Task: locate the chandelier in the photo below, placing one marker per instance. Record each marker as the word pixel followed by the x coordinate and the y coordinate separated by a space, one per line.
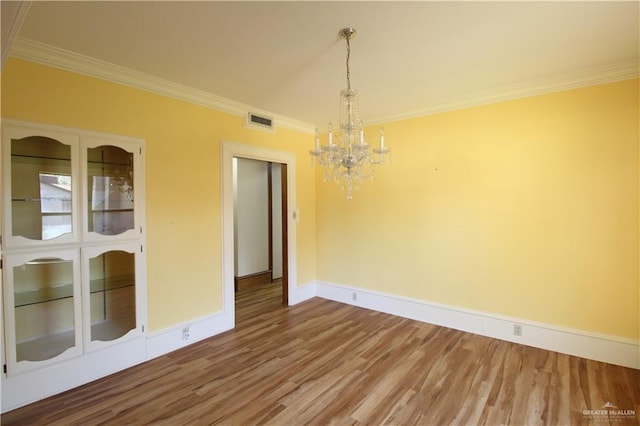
pixel 347 158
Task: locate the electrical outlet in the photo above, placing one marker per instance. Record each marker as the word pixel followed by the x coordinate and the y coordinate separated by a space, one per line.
pixel 517 330
pixel 354 296
pixel 185 333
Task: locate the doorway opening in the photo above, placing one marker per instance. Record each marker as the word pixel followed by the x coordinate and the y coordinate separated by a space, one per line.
pixel 260 229
pixel 229 150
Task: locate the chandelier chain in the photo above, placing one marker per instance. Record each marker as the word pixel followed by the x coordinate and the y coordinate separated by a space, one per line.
pixel 348 37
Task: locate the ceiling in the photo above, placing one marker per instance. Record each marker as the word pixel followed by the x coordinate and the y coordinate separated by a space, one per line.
pixel 408 58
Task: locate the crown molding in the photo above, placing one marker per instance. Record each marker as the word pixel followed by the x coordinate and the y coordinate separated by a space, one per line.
pixel 59 58
pixel 45 54
pixel 574 80
pixel 17 18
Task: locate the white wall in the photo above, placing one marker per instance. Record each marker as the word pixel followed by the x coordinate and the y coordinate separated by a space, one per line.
pixel 251 215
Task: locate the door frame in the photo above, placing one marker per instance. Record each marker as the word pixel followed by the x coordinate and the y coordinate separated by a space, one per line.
pixel 230 149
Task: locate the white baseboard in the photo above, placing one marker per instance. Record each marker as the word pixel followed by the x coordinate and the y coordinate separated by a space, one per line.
pixel 610 349
pixel 302 293
pixel 27 387
pixel 170 339
pixel 20 390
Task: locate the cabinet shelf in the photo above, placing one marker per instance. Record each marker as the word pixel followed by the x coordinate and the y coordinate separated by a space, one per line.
pixel 37 199
pixel 50 294
pixel 107 163
pixel 45 347
pixel 42 295
pixel 110 284
pixel 110 210
pixel 40 157
pixel 109 330
pixel 91 162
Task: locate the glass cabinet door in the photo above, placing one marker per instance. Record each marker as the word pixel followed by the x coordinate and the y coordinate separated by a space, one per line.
pixel 73 269
pixel 110 194
pixel 43 313
pixel 40 187
pixel 112 300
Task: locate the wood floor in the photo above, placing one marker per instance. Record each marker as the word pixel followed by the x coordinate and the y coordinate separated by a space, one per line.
pixel 323 362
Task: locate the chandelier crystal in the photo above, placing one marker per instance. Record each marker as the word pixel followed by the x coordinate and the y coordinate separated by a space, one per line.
pixel 347 158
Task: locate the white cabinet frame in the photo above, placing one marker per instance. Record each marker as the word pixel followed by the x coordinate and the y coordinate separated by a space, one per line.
pixel 78 246
pixel 12 261
pixel 20 131
pixel 138 185
pixel 94 251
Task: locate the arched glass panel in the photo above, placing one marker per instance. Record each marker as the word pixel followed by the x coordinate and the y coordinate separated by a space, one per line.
pixel 110 190
pixel 44 308
pixel 113 295
pixel 41 201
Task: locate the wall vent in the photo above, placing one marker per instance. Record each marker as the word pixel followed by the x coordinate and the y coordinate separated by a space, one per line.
pixel 261 122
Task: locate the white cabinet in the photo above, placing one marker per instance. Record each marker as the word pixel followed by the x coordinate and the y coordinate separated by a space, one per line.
pixel 73 244
pixel 42 308
pixel 115 287
pixel 40 187
pixel 111 205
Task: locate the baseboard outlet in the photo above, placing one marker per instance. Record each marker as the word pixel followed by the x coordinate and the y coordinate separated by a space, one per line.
pixel 610 349
pixel 171 339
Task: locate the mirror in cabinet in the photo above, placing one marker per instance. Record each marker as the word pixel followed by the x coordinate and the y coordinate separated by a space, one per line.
pixel 112 295
pixel 41 192
pixel 110 190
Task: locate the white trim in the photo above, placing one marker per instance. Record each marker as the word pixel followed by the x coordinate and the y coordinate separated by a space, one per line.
pixel 13 129
pixel 611 349
pixel 229 150
pixel 64 59
pixel 133 146
pixel 31 386
pixel 248 124
pixel 21 11
pixel 302 293
pixel 170 339
pixel 45 54
pixel 19 390
pixel 574 80
pixel 14 259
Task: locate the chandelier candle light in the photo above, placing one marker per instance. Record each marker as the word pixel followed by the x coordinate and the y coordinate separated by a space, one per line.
pixel 351 159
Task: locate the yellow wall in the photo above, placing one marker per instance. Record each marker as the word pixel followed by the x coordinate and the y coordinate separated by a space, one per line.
pixel 183 210
pixel 526 208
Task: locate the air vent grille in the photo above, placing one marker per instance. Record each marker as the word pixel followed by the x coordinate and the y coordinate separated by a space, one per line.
pixel 259 121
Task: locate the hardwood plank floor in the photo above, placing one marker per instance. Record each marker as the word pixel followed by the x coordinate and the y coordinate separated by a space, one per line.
pixel 322 362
